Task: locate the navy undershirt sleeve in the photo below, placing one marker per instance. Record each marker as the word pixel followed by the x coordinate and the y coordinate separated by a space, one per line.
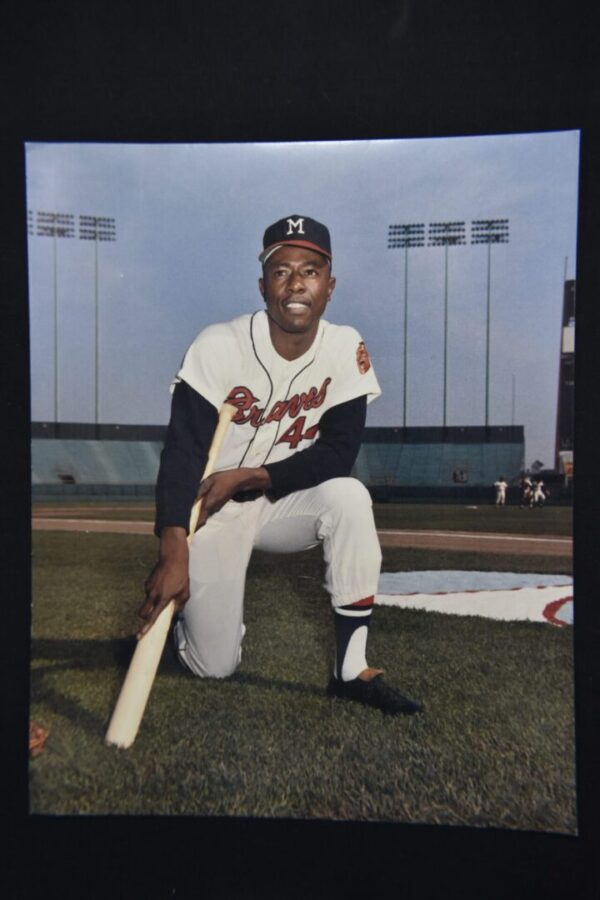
pixel 192 424
pixel 191 427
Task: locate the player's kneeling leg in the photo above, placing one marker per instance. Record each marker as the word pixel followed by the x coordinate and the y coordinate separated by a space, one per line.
pixel 209 631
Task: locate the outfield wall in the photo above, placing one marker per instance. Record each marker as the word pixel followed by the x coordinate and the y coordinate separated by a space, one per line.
pixel 448 464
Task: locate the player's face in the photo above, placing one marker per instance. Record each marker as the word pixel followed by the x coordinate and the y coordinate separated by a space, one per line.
pixel 296 286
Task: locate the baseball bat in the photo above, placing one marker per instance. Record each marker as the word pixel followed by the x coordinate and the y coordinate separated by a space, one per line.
pixel 130 706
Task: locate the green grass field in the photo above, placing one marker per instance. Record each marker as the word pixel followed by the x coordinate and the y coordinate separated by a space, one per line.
pixel 495 746
pixel 551 520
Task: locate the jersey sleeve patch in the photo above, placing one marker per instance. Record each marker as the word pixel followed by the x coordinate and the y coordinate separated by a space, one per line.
pixel 362 358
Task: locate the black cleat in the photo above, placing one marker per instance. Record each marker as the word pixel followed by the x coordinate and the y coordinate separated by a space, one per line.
pixel 376 693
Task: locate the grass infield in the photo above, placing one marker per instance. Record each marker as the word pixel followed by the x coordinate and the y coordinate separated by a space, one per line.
pixel 495 746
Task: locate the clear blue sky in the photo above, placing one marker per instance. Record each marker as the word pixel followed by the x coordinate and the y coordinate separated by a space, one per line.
pixel 189 224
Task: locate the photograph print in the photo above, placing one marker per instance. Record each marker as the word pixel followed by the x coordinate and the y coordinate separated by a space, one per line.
pixel 359 606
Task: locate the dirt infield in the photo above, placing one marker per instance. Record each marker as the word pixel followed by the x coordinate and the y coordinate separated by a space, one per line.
pixel 429 540
pixel 111 526
pixel 478 542
pixel 81 510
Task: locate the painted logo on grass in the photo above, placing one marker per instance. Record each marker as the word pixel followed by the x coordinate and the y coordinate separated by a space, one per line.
pixel 560 612
pixel 508 596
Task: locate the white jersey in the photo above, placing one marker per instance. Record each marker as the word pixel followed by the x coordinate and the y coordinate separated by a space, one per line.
pixel 279 402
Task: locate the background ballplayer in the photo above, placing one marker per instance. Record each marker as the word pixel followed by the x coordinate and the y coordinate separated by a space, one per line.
pixel 281 483
pixel 500 486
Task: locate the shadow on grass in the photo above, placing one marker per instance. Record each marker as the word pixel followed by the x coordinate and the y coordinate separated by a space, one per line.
pixel 83 653
pixel 68 655
pixel 64 706
pixel 294 687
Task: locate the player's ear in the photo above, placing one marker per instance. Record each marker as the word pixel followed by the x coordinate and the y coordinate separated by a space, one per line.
pixel 331 288
pixel 261 286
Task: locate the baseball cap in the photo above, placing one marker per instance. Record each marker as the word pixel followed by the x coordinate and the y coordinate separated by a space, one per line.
pixel 297 231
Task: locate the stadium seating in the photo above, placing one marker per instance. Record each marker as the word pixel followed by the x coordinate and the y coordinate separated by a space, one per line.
pixel 89 466
pixel 438 465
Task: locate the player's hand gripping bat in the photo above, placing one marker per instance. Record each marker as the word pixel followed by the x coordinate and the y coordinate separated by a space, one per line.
pixel 128 712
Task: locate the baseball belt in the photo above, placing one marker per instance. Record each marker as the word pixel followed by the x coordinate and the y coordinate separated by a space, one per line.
pixel 245 496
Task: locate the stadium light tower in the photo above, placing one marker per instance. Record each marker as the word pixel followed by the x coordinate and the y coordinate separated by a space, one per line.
pixel 54 225
pixel 446 234
pixel 488 231
pixel 97 228
pixel 404 237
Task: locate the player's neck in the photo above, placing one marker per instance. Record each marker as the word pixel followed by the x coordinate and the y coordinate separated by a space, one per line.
pixel 291 345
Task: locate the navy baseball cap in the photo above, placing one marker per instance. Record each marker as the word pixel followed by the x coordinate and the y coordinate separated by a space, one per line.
pixel 297 231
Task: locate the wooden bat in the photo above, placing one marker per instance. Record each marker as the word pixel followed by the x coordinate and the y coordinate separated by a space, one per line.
pixel 128 712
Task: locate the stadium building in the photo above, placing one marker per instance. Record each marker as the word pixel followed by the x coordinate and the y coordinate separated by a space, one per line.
pixel 566 386
pixel 446 464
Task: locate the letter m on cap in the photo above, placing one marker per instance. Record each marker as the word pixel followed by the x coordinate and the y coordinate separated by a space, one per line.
pixel 295 225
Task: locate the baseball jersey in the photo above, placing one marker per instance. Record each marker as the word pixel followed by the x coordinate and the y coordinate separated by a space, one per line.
pixel 279 402
pixel 313 431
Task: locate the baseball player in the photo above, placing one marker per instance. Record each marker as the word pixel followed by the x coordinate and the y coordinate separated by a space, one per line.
pixel 539 493
pixel 500 486
pixel 300 386
pixel 526 491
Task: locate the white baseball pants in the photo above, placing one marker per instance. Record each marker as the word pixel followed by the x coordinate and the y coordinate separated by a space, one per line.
pixel 337 514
